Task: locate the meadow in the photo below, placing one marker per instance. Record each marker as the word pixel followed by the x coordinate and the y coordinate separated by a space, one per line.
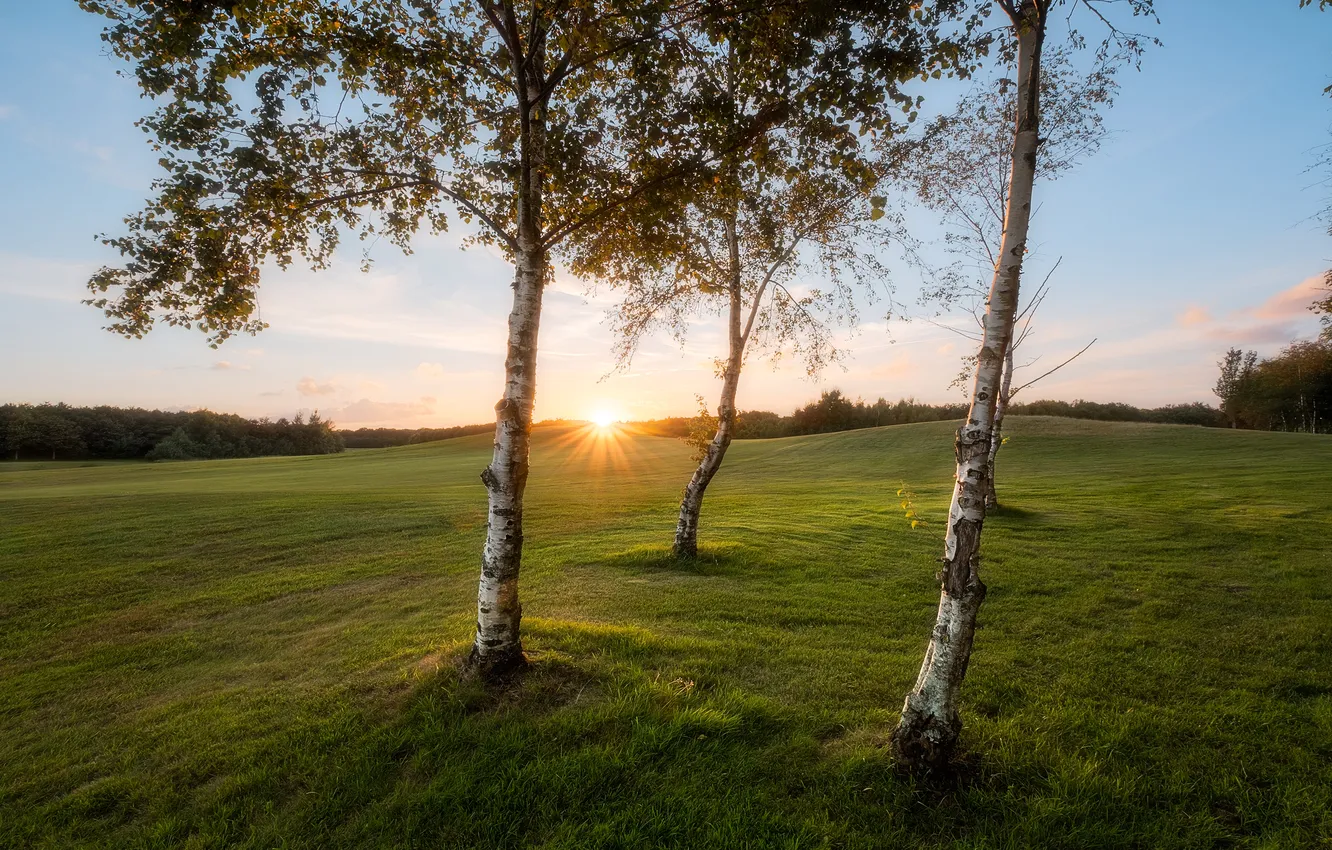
pixel 262 653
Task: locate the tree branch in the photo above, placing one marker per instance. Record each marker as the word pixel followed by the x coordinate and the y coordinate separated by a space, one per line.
pixel 1052 371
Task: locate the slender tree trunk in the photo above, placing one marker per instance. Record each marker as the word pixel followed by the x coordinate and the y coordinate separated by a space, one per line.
pixel 691 505
pixel 925 739
pixel 498 646
pixel 997 439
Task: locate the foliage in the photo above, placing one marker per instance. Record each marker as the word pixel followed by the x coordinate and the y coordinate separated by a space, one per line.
pixel 379 438
pixel 1289 392
pixel 959 164
pixel 908 506
pixel 801 199
pixel 260 654
pixel 702 427
pixel 48 430
pixel 283 127
pixel 1323 306
pixel 833 411
pixel 1236 368
pixel 960 167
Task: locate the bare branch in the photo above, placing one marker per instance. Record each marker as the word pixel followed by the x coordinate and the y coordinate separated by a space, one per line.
pixel 1052 371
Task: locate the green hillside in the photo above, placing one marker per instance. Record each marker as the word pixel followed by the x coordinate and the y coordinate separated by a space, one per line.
pixel 258 653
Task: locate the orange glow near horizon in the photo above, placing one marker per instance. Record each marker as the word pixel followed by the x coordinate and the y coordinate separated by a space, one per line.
pixel 599 446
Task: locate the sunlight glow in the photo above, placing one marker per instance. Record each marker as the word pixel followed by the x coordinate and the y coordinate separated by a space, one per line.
pixel 603 419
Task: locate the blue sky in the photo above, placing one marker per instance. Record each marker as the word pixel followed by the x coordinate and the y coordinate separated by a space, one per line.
pixel 1190 232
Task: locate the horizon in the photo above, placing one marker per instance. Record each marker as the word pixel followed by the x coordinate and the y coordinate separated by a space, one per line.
pixel 1191 232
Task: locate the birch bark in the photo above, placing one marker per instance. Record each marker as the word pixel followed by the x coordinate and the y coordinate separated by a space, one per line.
pixel 498 647
pixel 691 505
pixel 927 734
pixel 997 439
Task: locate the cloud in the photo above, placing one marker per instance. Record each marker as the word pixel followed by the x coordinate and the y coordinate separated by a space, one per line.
pixel 1293 302
pixel 1195 315
pixel 897 367
pixel 366 410
pixel 39 277
pixel 272 393
pixel 1263 333
pixel 430 370
pixel 1276 320
pixel 222 365
pixel 101 153
pixel 309 386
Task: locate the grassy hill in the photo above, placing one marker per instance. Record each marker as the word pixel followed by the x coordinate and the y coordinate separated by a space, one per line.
pixel 259 653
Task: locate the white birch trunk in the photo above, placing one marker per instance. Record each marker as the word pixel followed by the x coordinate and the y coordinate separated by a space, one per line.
pixel 691 505
pixel 997 439
pixel 926 737
pixel 498 647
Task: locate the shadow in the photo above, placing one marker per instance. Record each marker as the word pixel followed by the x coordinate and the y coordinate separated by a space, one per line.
pixel 613 737
pixel 718 559
pixel 1012 512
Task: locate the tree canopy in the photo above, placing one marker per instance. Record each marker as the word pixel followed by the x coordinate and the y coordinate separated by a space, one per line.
pixel 283 128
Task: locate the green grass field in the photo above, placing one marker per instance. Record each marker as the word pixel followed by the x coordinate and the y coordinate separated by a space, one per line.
pixel 261 653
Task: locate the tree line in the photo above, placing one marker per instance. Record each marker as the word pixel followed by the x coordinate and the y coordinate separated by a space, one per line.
pixel 831 411
pixel 1291 391
pixel 62 432
pixel 380 438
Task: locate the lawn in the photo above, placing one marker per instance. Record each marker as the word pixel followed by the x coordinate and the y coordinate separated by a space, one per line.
pixel 262 653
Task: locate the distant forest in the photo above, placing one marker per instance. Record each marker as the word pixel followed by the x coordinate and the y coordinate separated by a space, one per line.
pixel 61 432
pixel 832 411
pixel 1291 391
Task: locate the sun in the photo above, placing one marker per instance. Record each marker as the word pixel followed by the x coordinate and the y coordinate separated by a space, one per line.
pixel 603 419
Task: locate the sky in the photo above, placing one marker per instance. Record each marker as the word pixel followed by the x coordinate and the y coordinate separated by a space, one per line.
pixel 1192 231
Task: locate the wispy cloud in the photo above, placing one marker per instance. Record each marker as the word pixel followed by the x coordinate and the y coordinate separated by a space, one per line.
pixel 1276 320
pixel 308 386
pixel 1193 316
pixel 1291 303
pixel 366 410
pixel 39 277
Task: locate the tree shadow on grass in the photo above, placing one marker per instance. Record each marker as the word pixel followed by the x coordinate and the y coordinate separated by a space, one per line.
pixel 1013 514
pixel 725 559
pixel 616 737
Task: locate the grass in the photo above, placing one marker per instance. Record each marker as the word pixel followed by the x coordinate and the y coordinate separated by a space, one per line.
pixel 260 653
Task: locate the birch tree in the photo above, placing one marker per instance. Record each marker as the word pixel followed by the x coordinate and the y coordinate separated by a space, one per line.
pixel 927 734
pixel 959 166
pixel 801 199
pixel 745 252
pixel 800 202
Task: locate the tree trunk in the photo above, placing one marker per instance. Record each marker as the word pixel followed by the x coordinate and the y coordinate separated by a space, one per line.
pixel 925 739
pixel 498 647
pixel 997 440
pixel 691 505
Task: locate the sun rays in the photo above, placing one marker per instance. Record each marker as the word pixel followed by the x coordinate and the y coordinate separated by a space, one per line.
pixel 600 444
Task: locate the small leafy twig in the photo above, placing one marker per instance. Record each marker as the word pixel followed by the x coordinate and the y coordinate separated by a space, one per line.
pixel 909 507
